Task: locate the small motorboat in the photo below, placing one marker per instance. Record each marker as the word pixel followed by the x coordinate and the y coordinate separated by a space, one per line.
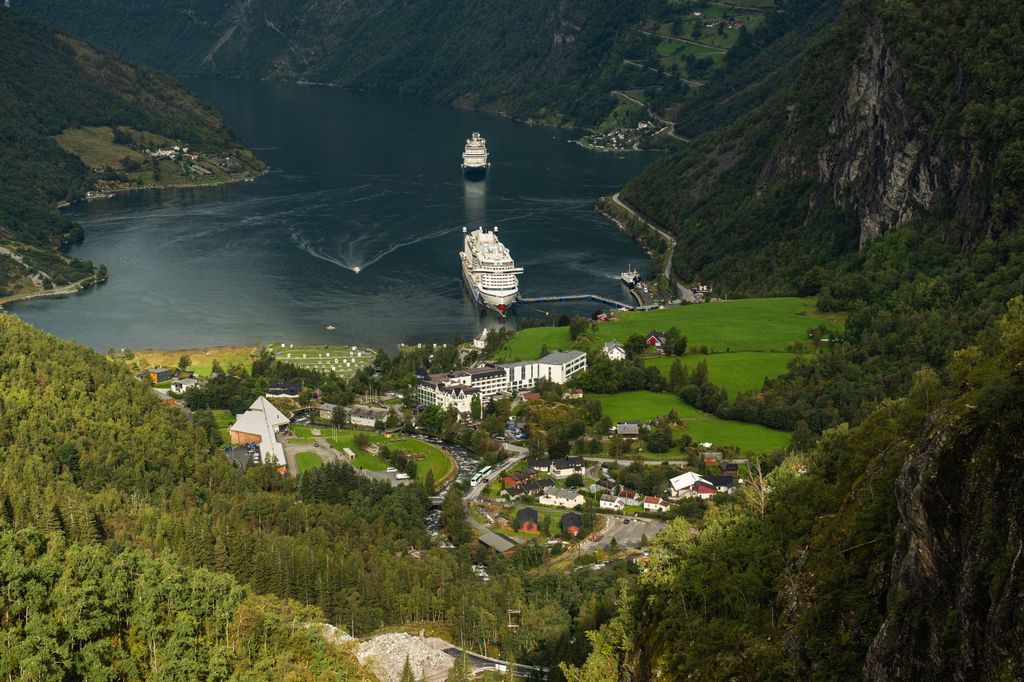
pixel 330 327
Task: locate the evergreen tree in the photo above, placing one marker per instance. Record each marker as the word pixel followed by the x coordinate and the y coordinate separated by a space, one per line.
pixel 407 674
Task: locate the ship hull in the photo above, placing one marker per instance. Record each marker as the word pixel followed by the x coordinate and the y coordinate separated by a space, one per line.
pixel 502 305
pixel 474 172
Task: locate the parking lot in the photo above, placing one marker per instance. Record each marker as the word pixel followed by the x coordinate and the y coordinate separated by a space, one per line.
pixel 628 532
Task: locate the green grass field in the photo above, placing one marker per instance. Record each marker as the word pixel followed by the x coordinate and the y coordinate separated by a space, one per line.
pixel 224 421
pixel 645 405
pixel 734 372
pixel 434 459
pixel 760 324
pixel 641 406
pixel 307 461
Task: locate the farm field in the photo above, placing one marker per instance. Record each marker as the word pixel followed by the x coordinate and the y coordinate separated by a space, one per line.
pixel 646 405
pixel 735 372
pixel 335 359
pixel 751 324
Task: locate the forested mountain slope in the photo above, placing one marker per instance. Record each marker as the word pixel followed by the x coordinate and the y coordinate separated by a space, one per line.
pixel 50 83
pixel 901 113
pixel 557 62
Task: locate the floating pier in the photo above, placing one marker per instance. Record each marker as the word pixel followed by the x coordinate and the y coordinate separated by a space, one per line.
pixel 568 298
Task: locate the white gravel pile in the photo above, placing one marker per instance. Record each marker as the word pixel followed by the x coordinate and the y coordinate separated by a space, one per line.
pixel 385 656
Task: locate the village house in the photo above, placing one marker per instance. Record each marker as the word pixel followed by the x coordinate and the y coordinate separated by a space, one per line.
pixel 159 374
pixel 653 503
pixel 366 416
pixel 517 477
pixel 627 429
pixel 528 489
pixel 571 523
pixel 527 520
pixel 613 350
pixel 723 484
pixel 182 385
pixel 603 486
pixel 261 424
pixel 326 412
pixel 570 499
pixel 611 503
pixel 573 394
pixel 630 498
pixel 656 339
pixel 690 484
pixel 729 468
pixel 565 467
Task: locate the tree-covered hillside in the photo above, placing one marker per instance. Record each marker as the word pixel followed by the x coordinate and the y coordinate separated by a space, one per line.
pixel 567 63
pixel 88 452
pixel 50 83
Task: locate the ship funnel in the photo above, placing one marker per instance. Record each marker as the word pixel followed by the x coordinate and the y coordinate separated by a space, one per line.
pixel 495 229
pixel 463 229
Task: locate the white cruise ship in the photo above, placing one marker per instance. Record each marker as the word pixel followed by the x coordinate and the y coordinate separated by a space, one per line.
pixel 489 270
pixel 474 158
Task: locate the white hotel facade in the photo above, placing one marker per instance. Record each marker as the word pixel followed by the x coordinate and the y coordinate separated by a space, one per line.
pixel 457 389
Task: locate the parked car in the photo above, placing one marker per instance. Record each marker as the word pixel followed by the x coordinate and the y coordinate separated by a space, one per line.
pixel 392 470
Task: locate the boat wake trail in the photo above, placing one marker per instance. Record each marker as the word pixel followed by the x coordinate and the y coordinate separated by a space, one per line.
pixel 358 264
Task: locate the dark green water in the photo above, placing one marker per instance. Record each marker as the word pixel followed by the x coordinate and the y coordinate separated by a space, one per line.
pixel 355 180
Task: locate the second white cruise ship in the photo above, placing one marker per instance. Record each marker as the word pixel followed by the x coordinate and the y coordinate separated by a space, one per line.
pixel 489 270
pixel 474 157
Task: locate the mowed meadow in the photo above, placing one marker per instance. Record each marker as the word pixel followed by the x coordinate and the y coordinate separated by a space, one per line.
pixel 743 342
pixel 753 324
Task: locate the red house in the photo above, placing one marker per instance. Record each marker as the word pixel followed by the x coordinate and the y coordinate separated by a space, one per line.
pixel 572 523
pixel 527 521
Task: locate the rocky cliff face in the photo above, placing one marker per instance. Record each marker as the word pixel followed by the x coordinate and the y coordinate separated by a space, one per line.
pixel 883 159
pixel 956 601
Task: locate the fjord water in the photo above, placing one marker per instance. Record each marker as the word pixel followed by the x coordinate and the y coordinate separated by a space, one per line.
pixel 355 181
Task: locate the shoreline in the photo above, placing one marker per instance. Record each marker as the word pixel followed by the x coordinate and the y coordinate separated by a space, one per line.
pixel 145 188
pixel 91 281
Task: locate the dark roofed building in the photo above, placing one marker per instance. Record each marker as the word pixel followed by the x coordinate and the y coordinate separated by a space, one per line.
pixel 159 375
pixel 284 389
pixel 723 484
pixel 729 467
pixel 564 467
pixel 527 520
pixel 572 523
pixel 498 542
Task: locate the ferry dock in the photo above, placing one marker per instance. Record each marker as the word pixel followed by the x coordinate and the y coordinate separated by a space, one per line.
pixel 569 298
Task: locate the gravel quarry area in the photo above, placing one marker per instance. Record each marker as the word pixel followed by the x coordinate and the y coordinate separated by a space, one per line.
pixel 385 654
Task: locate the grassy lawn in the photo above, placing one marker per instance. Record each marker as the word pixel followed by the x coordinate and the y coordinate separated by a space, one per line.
pixel 701 427
pixel 760 324
pixel 754 437
pixel 202 358
pixel 307 461
pixel 641 406
pixel 434 459
pixel 224 421
pixel 734 372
